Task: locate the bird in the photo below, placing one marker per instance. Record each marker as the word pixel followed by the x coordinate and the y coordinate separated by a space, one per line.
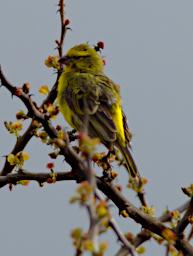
pixel 86 96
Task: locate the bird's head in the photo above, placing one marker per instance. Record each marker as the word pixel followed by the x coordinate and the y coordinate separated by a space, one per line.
pixel 82 58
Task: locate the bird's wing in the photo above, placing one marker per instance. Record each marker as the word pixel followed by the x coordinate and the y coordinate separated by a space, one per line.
pixel 93 98
pixel 127 131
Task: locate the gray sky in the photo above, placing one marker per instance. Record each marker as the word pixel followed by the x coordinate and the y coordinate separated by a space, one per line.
pixel 149 52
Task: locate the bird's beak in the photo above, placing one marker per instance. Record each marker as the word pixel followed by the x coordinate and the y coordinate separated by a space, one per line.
pixel 64 60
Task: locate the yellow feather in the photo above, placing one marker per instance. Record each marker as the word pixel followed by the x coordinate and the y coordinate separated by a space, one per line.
pixel 64 108
pixel 118 120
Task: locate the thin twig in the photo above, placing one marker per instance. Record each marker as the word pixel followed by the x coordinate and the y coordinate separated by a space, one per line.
pixel 167 216
pixel 142 198
pixel 93 231
pixel 115 227
pixel 61 5
pixel 130 248
pixel 167 250
pixel 190 235
pixel 185 219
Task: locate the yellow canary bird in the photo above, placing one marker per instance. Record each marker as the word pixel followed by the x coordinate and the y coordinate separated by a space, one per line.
pixel 85 91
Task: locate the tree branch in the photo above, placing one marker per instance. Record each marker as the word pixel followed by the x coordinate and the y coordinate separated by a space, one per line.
pixel 13 178
pixel 129 247
pixel 185 219
pixel 145 235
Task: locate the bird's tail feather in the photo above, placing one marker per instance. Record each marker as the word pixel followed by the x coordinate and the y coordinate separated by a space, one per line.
pixel 129 161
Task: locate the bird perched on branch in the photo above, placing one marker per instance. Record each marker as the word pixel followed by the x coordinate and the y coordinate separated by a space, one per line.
pixel 87 97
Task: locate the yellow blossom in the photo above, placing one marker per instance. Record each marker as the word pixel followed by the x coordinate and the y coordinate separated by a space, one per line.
pixel 43 90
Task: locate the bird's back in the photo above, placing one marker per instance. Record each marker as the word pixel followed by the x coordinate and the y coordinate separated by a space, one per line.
pixel 98 97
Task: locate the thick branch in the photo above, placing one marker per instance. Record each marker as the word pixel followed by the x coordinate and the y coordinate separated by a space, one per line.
pixel 145 235
pixel 13 178
pixel 123 204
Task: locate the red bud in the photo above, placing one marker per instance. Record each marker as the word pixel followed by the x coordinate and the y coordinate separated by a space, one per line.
pixel 50 165
pixel 66 22
pixel 49 180
pixel 18 91
pixel 101 45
